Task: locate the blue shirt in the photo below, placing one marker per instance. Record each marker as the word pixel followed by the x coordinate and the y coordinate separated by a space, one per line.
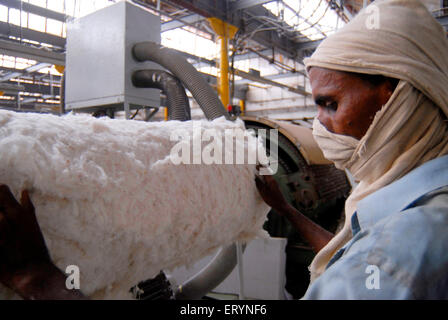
pixel 399 248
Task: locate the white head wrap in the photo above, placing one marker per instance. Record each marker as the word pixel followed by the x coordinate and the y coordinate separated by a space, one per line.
pixel 398 39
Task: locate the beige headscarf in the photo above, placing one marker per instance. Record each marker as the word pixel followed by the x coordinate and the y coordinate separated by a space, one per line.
pixel 399 39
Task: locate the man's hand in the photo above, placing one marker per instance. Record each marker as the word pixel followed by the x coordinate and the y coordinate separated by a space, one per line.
pixel 271 193
pixel 25 264
pixel 315 235
pixel 22 246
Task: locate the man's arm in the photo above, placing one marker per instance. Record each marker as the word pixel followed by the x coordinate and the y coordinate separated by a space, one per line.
pixel 25 264
pixel 316 236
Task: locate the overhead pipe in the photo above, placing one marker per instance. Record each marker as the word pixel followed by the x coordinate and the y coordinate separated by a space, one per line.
pixel 191 79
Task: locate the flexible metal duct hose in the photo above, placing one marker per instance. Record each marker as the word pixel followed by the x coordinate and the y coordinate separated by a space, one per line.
pixel 210 276
pixel 177 100
pixel 191 79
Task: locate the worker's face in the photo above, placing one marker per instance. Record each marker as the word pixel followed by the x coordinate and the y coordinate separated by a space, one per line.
pixel 347 103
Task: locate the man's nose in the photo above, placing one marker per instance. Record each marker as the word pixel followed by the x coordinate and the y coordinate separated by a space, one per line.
pixel 323 117
pixel 320 115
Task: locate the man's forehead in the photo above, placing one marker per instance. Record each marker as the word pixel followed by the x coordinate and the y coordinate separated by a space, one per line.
pixel 323 83
pixel 327 82
pixel 326 75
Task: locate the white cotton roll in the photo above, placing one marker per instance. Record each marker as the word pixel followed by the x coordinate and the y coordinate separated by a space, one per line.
pixel 110 200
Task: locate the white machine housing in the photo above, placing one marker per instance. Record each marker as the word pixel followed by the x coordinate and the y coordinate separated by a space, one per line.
pixel 99 61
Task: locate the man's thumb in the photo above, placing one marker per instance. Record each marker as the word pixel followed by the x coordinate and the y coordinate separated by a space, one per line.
pixel 25 201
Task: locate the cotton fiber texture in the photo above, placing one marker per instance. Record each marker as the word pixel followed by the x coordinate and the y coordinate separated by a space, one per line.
pixel 109 199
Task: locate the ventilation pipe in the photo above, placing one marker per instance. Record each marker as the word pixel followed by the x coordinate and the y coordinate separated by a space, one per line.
pixel 210 276
pixel 191 79
pixel 177 101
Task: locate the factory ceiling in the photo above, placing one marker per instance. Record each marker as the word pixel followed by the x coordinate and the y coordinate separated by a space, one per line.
pixel 264 31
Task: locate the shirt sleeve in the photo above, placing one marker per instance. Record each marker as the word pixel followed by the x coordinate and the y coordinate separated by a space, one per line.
pixel 401 257
pixel 355 279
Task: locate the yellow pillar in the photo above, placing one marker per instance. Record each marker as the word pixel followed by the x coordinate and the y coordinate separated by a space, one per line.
pixel 225 32
pixel 242 106
pixel 59 68
pixel 165 114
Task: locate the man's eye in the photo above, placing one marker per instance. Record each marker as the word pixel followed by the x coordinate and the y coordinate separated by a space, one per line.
pixel 332 106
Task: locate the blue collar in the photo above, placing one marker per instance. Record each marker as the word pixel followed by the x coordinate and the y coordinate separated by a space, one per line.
pixel 400 194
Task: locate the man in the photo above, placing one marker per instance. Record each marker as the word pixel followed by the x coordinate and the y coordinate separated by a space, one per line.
pixel 380 90
pixel 380 87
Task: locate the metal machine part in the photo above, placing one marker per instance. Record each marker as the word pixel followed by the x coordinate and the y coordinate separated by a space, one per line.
pixel 176 98
pixel 210 276
pixel 195 288
pixel 62 94
pixel 99 61
pixel 158 288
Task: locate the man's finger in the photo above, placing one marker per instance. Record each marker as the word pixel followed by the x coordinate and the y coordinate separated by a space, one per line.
pixel 259 183
pixel 269 178
pixel 3 228
pixel 26 203
pixel 7 199
pixel 261 178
